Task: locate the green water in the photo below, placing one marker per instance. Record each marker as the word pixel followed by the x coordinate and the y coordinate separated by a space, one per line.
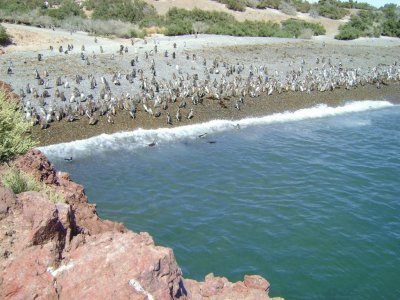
pixel 311 205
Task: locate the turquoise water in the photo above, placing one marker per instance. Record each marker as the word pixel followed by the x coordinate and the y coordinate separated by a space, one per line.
pixel 312 205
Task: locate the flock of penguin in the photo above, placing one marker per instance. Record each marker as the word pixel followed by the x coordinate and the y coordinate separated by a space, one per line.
pixel 154 83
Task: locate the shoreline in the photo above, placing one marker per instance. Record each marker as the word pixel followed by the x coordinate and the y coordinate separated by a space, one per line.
pixel 61 132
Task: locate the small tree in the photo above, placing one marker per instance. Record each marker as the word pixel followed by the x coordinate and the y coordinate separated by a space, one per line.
pixel 13 129
pixel 4 37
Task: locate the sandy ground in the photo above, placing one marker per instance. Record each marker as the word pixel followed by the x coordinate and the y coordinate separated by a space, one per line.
pixel 278 56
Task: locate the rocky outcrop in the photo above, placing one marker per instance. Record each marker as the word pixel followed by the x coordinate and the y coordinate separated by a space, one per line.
pixel 65 251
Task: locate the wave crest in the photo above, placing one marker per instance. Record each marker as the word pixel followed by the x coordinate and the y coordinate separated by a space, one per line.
pixel 140 138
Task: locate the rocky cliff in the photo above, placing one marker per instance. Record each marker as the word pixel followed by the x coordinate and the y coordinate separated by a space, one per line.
pixel 65 251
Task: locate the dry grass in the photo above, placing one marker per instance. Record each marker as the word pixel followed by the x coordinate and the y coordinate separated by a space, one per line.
pixel 20 182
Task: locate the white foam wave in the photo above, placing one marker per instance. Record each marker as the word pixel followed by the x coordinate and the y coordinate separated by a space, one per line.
pixel 141 138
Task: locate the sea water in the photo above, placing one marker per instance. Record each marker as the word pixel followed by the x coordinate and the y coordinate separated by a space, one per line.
pixel 309 199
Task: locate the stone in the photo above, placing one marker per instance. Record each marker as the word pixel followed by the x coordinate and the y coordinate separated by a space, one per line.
pixel 256 282
pixel 65 251
pixel 7 202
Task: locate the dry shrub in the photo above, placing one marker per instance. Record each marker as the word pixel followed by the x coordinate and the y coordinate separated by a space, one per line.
pixel 154 30
pixel 306 34
pixel 200 27
pixel 104 28
pixel 288 9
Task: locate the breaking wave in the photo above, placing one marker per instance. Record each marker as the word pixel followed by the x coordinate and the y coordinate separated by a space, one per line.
pixel 140 138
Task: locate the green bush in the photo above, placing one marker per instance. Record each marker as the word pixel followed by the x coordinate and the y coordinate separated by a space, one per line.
pixel 269 4
pixel 238 5
pixel 391 24
pixel 4 37
pixel 365 23
pixel 295 27
pixel 301 6
pixel 21 6
pixel 20 182
pixel 125 10
pixel 355 5
pixel 348 33
pixel 391 27
pixel 67 9
pixel 331 9
pixel 180 21
pixel 179 27
pixel 13 130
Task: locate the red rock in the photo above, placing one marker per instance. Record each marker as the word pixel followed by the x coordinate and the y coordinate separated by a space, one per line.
pixel 36 164
pixel 7 202
pixel 106 264
pixel 256 282
pixel 65 251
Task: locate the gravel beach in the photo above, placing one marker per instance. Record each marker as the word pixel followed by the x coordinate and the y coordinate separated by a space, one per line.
pixel 177 60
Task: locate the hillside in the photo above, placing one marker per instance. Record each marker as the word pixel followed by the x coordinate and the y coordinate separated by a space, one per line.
pixel 162 6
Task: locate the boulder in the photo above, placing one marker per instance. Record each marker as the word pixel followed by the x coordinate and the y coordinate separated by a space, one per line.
pixel 8 201
pixel 65 251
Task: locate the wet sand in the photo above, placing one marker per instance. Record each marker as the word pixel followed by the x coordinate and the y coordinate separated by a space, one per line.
pixel 63 131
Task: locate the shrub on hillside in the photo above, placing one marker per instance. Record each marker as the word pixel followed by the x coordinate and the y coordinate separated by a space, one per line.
pixel 238 5
pixel 181 21
pixel 331 9
pixel 21 6
pixel 348 33
pixel 391 27
pixel 287 8
pixel 306 34
pixel 4 37
pixel 301 5
pixel 295 27
pixel 67 9
pixel 125 10
pixel 13 130
pixel 391 24
pixel 365 23
pixel 269 4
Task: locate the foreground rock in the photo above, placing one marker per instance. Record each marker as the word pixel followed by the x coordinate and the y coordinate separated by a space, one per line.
pixel 65 251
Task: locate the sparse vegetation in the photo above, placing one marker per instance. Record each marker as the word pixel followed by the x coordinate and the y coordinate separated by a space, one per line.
pixel 20 182
pixel 14 139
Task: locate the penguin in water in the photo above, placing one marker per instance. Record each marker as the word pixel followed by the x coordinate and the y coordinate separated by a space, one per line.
pixel 68 159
